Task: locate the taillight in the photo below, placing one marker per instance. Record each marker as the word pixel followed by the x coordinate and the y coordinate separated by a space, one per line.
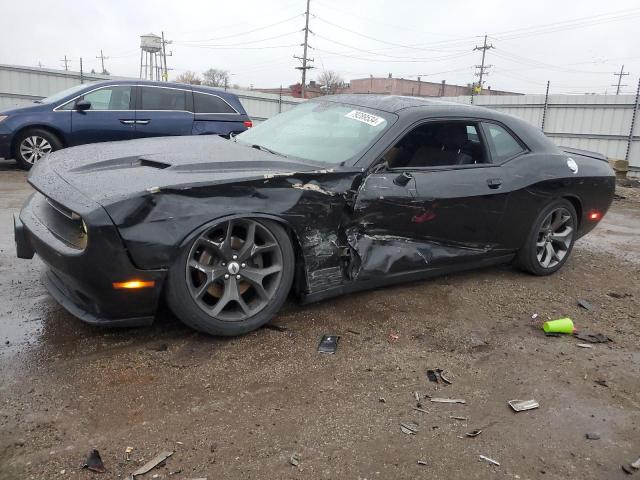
pixel 248 123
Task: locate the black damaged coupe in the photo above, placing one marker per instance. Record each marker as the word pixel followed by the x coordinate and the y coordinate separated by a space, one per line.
pixel 339 194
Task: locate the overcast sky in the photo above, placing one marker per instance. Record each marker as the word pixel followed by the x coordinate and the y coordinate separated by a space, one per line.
pixel 576 45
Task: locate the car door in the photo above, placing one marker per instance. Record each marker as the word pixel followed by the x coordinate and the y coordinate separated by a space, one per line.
pixel 163 111
pixel 434 199
pixel 109 117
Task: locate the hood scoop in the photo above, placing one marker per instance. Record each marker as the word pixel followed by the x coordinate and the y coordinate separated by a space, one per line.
pixel 120 163
pixel 145 162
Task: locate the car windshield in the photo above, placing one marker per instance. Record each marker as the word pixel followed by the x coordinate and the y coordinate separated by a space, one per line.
pixel 63 94
pixel 320 131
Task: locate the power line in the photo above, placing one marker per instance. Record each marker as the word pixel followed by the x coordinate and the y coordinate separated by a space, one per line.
pixel 304 59
pixel 248 42
pixel 620 75
pixel 243 33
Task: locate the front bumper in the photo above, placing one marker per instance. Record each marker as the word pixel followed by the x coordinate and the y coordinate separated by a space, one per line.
pixel 5 145
pixel 81 280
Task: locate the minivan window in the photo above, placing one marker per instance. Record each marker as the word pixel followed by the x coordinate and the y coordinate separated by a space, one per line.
pixel 205 103
pixel 160 98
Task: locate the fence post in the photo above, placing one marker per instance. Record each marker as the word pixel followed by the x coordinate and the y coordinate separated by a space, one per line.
pixel 633 122
pixel 546 105
pixel 280 100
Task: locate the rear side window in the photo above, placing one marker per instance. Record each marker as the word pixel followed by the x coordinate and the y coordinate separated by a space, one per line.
pixel 502 144
pixel 159 98
pixel 204 103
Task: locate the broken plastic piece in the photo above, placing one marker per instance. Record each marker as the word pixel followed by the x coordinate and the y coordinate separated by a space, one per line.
pixel 561 325
pixel 151 464
pixel 328 344
pixel 442 377
pixel 422 462
pixel 418 409
pixel 490 460
pixel 474 433
pixel 127 453
pixel 295 459
pixel 636 465
pixel 584 304
pixel 584 345
pixel 522 405
pixel 592 337
pixel 448 400
pixel 409 428
pixel 432 376
pixel 94 462
pixel 463 419
pixel 592 436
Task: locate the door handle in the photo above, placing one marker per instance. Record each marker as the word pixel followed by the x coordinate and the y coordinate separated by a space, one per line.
pixel 142 122
pixel 494 182
pixel 127 122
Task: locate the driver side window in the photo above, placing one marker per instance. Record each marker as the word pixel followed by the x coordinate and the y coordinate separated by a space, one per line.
pixel 437 144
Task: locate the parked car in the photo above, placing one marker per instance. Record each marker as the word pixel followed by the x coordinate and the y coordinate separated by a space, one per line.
pixel 339 194
pixel 117 110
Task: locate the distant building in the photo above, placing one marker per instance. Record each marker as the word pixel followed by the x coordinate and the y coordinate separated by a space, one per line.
pixel 313 90
pixel 415 88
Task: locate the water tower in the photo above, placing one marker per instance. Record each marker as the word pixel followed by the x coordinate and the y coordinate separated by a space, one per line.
pixel 150 59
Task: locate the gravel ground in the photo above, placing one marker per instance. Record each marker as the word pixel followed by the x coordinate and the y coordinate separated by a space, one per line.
pixel 241 407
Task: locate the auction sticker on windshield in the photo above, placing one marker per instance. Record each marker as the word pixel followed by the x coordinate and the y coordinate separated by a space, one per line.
pixel 365 117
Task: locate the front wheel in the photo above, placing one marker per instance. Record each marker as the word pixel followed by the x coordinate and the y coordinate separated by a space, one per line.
pixel 551 239
pixel 33 144
pixel 233 277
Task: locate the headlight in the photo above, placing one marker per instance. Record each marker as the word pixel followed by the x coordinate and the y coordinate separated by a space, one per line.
pixel 3 117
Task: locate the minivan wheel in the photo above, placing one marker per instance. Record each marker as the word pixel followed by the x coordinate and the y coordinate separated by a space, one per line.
pixel 32 145
pixel 233 277
pixel 551 239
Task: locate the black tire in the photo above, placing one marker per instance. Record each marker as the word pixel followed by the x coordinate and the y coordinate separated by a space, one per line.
pixel 26 139
pixel 528 259
pixel 181 301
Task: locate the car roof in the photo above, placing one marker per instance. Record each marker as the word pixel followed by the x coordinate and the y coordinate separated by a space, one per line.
pixel 395 103
pixel 196 88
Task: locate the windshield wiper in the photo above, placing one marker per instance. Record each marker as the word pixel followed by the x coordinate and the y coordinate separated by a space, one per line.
pixel 265 149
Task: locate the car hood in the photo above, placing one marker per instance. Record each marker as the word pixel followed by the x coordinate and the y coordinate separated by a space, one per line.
pixel 109 172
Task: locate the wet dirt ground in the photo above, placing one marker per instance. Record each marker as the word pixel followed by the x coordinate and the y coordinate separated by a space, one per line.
pixel 240 407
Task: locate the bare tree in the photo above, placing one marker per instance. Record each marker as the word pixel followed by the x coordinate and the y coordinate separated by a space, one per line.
pixel 189 77
pixel 215 77
pixel 330 81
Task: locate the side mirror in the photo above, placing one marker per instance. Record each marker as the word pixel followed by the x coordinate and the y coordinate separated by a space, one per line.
pixel 83 105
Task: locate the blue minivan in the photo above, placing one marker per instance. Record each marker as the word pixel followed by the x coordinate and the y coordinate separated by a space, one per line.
pixel 117 110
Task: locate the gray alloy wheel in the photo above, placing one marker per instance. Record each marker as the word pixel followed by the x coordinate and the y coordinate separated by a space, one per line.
pixel 33 148
pixel 555 237
pixel 234 270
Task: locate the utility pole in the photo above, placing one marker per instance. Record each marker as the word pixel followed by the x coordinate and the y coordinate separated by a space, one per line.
pixel 419 84
pixel 620 75
pixel 165 73
pixel 81 72
pixel 304 58
pixel 482 67
pixel 66 62
pixel 102 59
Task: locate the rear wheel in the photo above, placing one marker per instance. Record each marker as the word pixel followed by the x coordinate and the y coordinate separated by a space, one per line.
pixel 551 239
pixel 33 144
pixel 233 277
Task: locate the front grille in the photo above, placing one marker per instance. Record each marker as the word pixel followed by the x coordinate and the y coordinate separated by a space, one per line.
pixel 65 224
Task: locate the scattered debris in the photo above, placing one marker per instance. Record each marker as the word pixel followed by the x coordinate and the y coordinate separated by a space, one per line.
pixel 382 400
pixel 151 464
pixel 561 325
pixel 585 304
pixel 328 344
pixel 592 436
pixel 409 428
pixel 127 453
pixel 619 295
pixel 602 383
pixel 490 460
pixel 294 459
pixel 422 462
pixel 432 376
pixel 592 337
pixel 418 409
pixel 447 400
pixel 462 419
pixel 163 347
pixel 534 316
pixel 393 337
pixel 522 405
pixel 273 326
pixel 636 465
pixel 584 345
pixel 355 332
pixel 94 462
pixel 474 433
pixel 627 469
pixel 442 377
